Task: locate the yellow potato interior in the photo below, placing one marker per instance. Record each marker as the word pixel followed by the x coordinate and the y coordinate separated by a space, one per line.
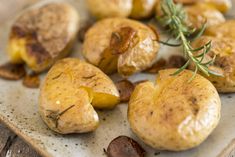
pixel 15 48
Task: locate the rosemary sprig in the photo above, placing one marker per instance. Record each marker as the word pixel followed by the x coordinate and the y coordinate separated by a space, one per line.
pixel 55 115
pixel 173 18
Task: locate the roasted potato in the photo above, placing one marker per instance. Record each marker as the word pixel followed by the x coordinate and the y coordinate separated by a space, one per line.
pixel 42 35
pixel 174 114
pixel 109 8
pixel 201 13
pixel 119 44
pixel 198 14
pixel 142 8
pixel 226 29
pixel 222 5
pixel 224 49
pixel 70 91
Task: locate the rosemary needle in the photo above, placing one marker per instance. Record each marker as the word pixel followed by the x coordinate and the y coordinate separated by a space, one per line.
pixel 173 18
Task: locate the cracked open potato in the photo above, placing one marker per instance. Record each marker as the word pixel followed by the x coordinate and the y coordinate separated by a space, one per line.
pixel 224 49
pixel 109 8
pixel 142 8
pixel 174 114
pixel 69 94
pixel 119 44
pixel 42 35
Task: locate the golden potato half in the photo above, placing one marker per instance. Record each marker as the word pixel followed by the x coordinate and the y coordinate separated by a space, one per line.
pixel 174 114
pixel 109 8
pixel 201 13
pixel 70 91
pixel 224 49
pixel 142 8
pixel 119 44
pixel 42 35
pixel 226 29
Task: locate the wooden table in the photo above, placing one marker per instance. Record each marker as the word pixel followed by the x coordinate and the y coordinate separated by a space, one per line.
pixel 12 146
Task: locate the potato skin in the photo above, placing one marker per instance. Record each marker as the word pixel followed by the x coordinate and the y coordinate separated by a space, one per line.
pixel 40 36
pixel 109 8
pixel 200 13
pixel 142 9
pixel 221 5
pixel 225 29
pixel 135 59
pixel 224 49
pixel 71 82
pixel 174 114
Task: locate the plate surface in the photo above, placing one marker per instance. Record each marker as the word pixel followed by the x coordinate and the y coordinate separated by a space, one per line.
pixel 19 110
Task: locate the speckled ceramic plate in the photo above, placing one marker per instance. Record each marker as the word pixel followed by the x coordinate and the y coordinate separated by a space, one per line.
pixel 19 110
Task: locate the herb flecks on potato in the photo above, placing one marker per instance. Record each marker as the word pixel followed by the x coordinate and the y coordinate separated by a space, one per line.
pixel 11 71
pixel 73 82
pixel 124 146
pixel 42 35
pixel 174 114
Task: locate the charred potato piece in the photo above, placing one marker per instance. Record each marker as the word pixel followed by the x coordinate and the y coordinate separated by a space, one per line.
pixel 143 8
pixel 70 91
pixel 40 36
pixel 11 71
pixel 109 8
pixel 226 29
pixel 201 13
pixel 124 146
pixel 174 114
pixel 119 44
pixel 224 49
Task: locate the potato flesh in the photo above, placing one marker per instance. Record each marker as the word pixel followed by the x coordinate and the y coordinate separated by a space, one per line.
pixel 142 8
pixel 174 115
pixel 74 82
pixel 15 47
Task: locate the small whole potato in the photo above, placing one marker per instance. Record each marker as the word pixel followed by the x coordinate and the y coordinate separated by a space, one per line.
pixel 226 29
pixel 69 94
pixel 201 13
pixel 198 14
pixel 119 44
pixel 224 50
pixel 42 35
pixel 142 8
pixel 174 114
pixel 222 5
pixel 109 8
